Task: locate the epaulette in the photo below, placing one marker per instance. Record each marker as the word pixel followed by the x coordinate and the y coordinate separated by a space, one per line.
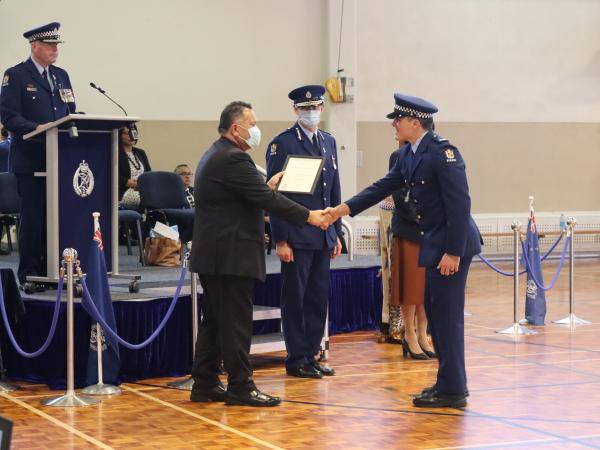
pixel 289 130
pixel 438 138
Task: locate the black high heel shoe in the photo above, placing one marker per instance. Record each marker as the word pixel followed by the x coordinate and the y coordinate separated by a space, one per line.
pixel 429 353
pixel 407 351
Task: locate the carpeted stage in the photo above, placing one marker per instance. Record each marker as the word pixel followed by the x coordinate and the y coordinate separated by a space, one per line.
pixel 355 304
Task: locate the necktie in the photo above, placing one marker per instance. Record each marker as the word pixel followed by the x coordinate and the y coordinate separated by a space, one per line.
pixel 411 161
pixel 315 141
pixel 45 77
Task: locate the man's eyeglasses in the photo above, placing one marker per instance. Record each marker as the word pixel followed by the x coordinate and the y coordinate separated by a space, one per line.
pixel 186 174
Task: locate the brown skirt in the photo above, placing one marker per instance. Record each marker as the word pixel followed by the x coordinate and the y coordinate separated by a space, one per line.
pixel 408 279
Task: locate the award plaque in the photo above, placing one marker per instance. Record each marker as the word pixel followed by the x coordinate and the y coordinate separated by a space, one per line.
pixel 301 174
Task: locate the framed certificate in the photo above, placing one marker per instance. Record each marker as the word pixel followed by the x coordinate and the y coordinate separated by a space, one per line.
pixel 301 174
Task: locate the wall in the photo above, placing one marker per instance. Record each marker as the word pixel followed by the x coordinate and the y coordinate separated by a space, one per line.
pixel 516 81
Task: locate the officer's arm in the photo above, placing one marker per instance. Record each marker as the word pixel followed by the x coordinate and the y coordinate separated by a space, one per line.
pixel 11 106
pixel 336 193
pixel 452 178
pixel 276 156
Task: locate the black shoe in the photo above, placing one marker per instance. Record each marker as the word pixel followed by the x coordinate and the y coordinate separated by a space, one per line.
pixel 214 394
pixel 325 370
pixel 305 371
pixel 438 400
pixel 252 398
pixel 407 351
pixel 431 390
pixel 4 252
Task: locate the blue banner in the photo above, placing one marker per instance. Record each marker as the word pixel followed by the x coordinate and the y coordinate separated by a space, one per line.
pixel 97 282
pixel 535 299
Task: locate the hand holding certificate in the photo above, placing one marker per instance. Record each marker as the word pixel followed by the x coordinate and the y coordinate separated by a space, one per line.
pixel 301 174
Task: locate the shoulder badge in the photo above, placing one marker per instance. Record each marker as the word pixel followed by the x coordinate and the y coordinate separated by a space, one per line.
pixel 450 155
pixel 5 81
pixel 273 150
pixel 83 180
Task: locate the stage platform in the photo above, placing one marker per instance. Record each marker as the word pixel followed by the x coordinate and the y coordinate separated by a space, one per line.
pixel 355 304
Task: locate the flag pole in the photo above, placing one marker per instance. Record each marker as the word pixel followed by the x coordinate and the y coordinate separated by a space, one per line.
pixel 100 388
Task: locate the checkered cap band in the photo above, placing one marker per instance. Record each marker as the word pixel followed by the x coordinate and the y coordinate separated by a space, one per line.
pixel 43 35
pixel 406 111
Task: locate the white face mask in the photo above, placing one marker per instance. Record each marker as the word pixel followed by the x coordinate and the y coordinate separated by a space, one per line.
pixel 254 139
pixel 309 118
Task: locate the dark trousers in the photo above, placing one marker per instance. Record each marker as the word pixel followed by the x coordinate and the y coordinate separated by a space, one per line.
pixel 304 296
pixel 225 332
pixel 32 226
pixel 445 308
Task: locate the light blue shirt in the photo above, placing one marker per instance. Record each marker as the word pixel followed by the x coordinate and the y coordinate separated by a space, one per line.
pixel 415 146
pixel 41 69
pixel 309 134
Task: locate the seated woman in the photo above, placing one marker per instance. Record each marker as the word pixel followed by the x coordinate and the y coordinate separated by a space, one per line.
pixel 132 163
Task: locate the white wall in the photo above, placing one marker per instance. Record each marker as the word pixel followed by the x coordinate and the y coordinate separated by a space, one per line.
pixel 177 60
pixel 482 60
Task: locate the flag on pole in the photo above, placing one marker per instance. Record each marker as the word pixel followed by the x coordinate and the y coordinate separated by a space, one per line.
pixel 97 282
pixel 535 298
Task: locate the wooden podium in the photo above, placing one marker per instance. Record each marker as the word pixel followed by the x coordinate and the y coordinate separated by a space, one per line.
pixel 81 178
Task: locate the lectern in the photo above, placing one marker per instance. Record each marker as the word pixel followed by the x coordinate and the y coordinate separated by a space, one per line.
pixel 81 178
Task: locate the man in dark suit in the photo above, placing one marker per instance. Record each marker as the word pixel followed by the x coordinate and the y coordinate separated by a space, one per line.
pixel 434 172
pixel 34 93
pixel 228 254
pixel 306 253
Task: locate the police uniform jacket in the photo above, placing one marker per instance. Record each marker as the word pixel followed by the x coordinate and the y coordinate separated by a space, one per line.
pixel 439 191
pixel 294 141
pixel 26 101
pixel 404 217
pixel 230 197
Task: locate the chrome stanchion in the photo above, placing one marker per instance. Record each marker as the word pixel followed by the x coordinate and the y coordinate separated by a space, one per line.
pixel 188 383
pixel 70 399
pixel 100 388
pixel 571 319
pixel 516 329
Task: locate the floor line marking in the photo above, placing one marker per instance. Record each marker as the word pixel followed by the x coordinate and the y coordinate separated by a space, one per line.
pixel 57 422
pixel 203 419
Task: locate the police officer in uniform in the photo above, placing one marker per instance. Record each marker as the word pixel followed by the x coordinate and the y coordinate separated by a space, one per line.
pixel 305 253
pixel 34 93
pixel 434 172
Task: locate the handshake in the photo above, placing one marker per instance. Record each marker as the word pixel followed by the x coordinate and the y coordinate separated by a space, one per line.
pixel 322 218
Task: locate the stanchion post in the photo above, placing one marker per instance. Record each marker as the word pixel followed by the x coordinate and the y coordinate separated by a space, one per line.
pixel 516 329
pixel 188 383
pixel 571 319
pixel 70 399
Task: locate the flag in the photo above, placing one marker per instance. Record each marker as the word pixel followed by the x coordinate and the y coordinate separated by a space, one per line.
pixel 97 283
pixel 535 298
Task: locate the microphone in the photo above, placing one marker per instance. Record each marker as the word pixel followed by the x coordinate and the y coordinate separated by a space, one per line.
pixel 103 92
pixel 133 132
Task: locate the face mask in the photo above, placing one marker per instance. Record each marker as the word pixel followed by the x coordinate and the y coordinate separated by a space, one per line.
pixel 254 139
pixel 310 118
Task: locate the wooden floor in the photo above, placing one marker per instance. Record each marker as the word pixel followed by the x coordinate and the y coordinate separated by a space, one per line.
pixel 542 391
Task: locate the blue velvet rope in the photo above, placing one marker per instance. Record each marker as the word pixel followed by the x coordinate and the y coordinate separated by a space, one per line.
pixel 512 274
pixel 558 269
pixel 11 336
pixel 95 314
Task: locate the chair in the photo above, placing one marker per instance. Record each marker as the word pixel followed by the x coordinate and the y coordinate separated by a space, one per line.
pixel 9 205
pixel 162 194
pixel 127 218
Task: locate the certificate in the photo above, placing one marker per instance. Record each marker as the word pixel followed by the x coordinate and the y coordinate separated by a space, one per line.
pixel 301 174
